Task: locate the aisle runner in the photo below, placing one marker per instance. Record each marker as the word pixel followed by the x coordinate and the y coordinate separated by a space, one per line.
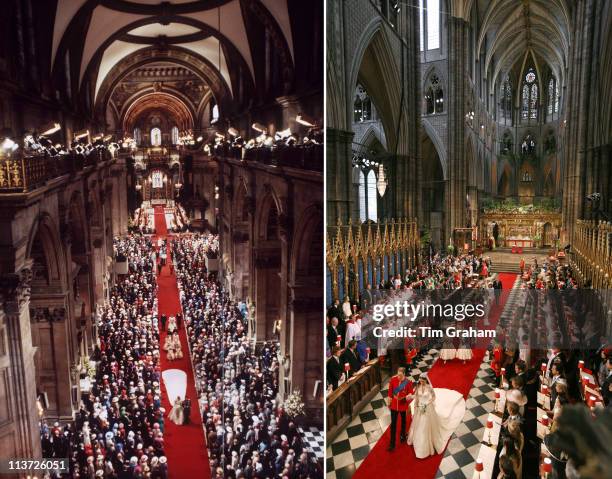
pixel 382 464
pixel 184 445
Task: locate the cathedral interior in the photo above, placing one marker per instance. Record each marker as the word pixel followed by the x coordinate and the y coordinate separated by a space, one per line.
pixel 179 129
pixel 460 132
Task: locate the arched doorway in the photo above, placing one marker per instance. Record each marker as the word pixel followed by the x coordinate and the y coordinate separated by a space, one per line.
pixel 53 334
pixel 433 193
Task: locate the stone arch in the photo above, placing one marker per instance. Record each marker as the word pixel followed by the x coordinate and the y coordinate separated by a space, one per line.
pixel 45 248
pixel 241 204
pixel 270 210
pixel 375 67
pixel 433 193
pixel 431 132
pixel 371 135
pixel 307 244
pixel 77 224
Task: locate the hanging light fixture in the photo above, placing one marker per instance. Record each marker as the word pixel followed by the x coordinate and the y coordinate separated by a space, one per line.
pixel 381 182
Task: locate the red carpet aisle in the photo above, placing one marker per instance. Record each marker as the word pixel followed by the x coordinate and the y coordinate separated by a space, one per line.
pixel 184 445
pixel 382 464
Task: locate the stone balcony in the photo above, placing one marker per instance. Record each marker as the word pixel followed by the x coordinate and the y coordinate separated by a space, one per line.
pixel 21 174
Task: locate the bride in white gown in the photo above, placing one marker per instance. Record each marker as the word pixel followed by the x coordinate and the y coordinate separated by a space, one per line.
pixel 436 413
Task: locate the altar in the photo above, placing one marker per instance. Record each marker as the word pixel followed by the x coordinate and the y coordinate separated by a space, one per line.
pixel 520 242
pixel 522 227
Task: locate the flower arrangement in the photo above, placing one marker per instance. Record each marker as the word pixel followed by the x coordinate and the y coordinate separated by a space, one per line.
pixel 422 408
pixel 294 405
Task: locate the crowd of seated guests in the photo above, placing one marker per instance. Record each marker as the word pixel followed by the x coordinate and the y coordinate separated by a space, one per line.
pixel 248 433
pixel 548 274
pixel 118 431
pixel 179 222
pixel 439 272
pixel 143 222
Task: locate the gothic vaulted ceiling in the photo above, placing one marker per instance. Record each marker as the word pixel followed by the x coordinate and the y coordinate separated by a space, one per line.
pixel 509 29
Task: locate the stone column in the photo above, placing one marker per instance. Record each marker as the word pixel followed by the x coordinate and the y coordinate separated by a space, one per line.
pixel 21 429
pixel 339 175
pixel 290 108
pixel 455 99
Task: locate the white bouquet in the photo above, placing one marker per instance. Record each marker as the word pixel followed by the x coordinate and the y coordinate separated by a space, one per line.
pixel 294 406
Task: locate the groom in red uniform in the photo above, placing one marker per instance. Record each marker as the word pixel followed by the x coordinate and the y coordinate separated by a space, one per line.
pixel 401 392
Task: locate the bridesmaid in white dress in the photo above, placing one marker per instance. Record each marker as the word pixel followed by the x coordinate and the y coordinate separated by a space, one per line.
pixel 464 352
pixel 448 351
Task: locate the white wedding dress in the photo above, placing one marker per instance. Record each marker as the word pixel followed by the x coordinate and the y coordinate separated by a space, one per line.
pixel 436 413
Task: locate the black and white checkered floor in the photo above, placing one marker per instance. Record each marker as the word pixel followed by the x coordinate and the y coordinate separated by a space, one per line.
pixel 352 445
pixel 350 448
pixel 314 441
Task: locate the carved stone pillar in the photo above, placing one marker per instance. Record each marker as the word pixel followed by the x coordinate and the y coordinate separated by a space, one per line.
pixel 290 108
pixel 19 434
pixel 338 145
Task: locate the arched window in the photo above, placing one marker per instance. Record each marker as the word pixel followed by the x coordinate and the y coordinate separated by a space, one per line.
pixel 368 206
pixel 214 111
pixel 363 214
pixel 434 97
pixel 175 135
pixel 137 136
pixel 371 188
pixel 553 96
pixel 429 22
pixel 363 105
pixel 530 97
pixel 506 100
pixel 156 138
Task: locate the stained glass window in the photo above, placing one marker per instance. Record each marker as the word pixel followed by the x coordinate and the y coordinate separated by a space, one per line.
pixel 506 102
pixel 525 110
pixel 533 102
pixel 529 110
pixel 551 96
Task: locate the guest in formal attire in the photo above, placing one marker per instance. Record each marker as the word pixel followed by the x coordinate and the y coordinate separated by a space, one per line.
pixel 333 333
pixel 186 411
pixel 351 357
pixel 334 367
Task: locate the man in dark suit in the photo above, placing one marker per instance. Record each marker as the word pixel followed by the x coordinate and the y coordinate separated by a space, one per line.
pixel 332 333
pixel 497 290
pixel 367 298
pixel 351 356
pixel 334 368
pixel 186 411
pixel 163 320
pixel 335 311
